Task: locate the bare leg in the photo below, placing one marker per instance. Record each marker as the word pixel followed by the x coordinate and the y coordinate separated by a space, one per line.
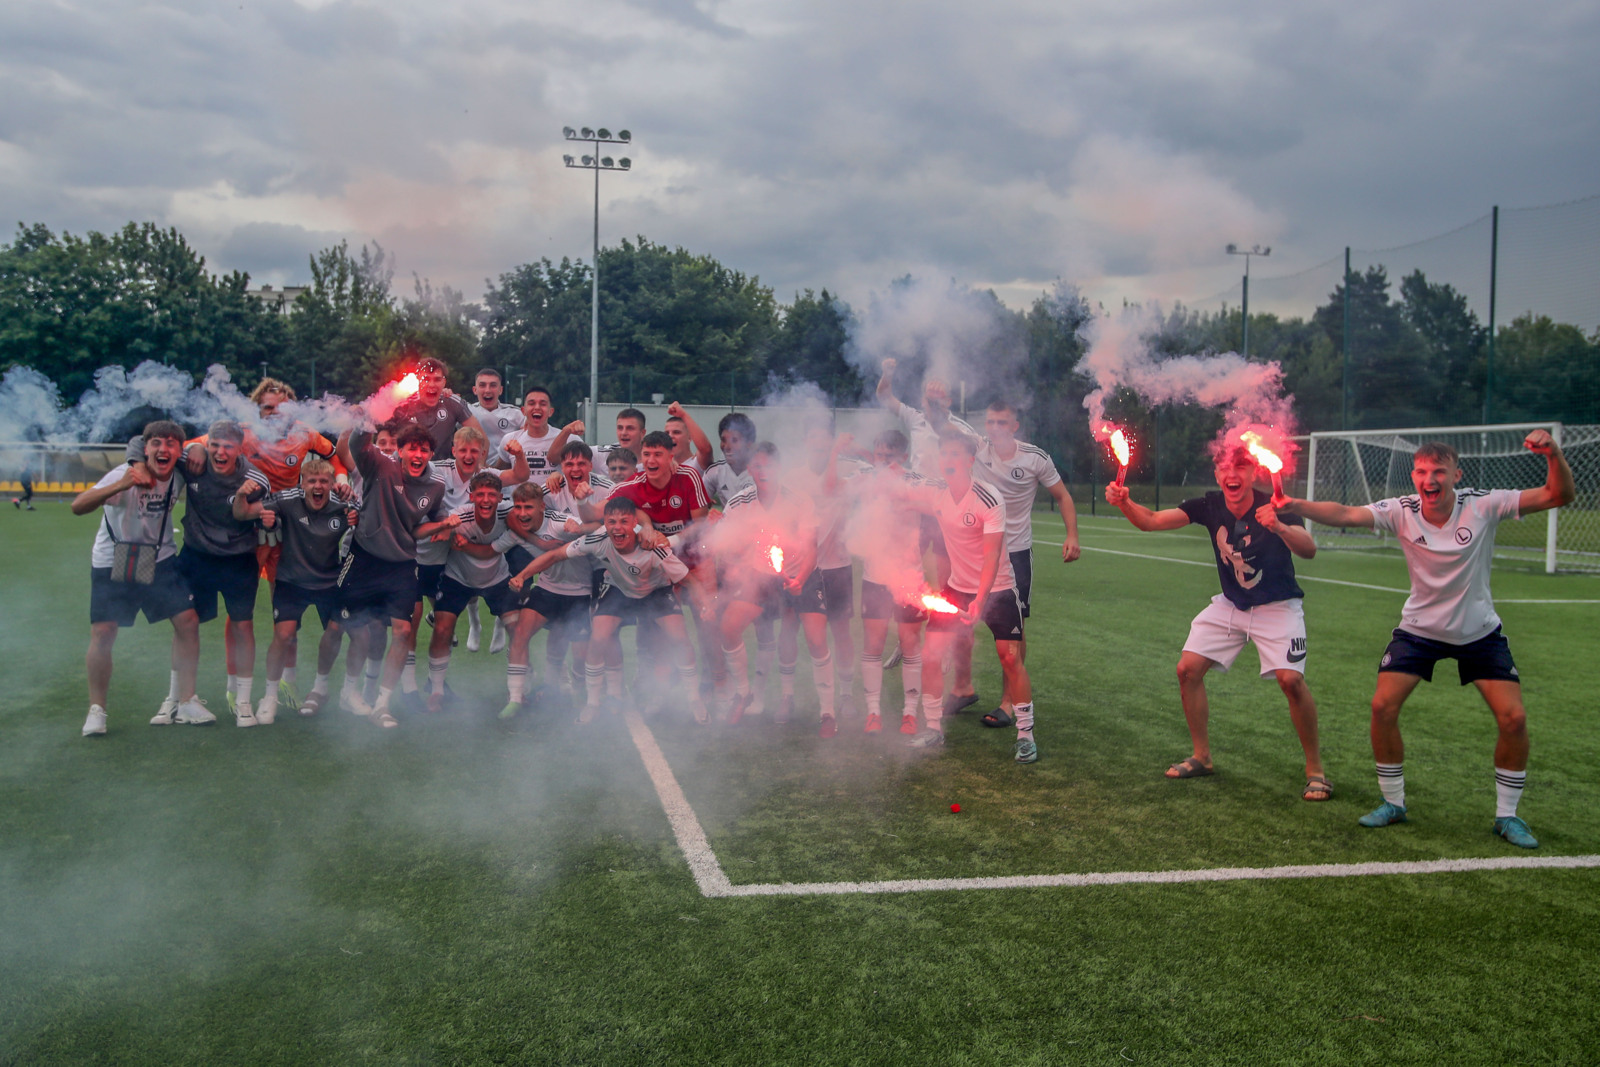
pixel 1192 668
pixel 282 635
pixel 102 636
pixel 1505 700
pixel 1387 700
pixel 1303 713
pixel 186 652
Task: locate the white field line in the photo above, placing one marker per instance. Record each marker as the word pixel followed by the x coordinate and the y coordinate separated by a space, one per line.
pixel 1299 577
pixel 713 881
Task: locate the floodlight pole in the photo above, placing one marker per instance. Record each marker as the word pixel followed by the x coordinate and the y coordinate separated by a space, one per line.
pixel 1254 250
pixel 596 163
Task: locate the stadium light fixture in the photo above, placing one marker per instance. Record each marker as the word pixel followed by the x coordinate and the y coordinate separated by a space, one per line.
pixel 596 162
pixel 1244 314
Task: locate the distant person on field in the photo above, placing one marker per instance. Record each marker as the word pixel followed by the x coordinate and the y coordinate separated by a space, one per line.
pixel 138 500
pixel 1447 535
pixel 26 478
pixel 1260 602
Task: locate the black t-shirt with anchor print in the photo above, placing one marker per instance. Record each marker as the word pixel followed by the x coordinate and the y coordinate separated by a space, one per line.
pixel 1254 564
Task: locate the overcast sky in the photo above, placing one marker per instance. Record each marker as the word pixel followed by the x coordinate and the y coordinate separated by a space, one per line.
pixel 817 143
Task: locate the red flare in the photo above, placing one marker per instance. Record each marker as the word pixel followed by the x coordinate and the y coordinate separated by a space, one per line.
pixel 406 387
pixel 933 602
pixel 775 557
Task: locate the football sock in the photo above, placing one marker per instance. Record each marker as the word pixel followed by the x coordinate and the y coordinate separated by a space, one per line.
pixel 933 711
pixel 289 676
pixel 384 695
pixel 555 667
pixel 575 678
pixel 408 674
pixel 614 682
pixel 911 680
pixel 766 656
pixel 738 662
pixel 822 678
pixel 1507 791
pixel 689 675
pixel 242 686
pixel 594 680
pixel 516 679
pixel 320 684
pixel 374 671
pixel 786 677
pixel 1023 713
pixel 1392 782
pixel 172 689
pixel 872 681
pixel 437 665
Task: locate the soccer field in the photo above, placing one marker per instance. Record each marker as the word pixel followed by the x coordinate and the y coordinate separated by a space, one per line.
pixel 462 890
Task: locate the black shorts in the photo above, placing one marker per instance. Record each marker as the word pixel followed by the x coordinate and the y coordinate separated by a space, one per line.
pixel 756 588
pixel 810 600
pixel 233 578
pixel 120 602
pixel 564 614
pixel 376 590
pixel 517 558
pixel 657 605
pixel 429 575
pixel 454 596
pixel 1488 659
pixel 878 603
pixel 1022 567
pixel 289 603
pixel 839 592
pixel 1002 614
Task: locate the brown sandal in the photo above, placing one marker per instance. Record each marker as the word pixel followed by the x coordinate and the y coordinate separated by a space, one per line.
pixel 1190 768
pixel 1317 789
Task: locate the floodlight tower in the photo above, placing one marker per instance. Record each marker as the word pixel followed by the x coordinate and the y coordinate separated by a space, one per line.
pixel 1253 250
pixel 596 163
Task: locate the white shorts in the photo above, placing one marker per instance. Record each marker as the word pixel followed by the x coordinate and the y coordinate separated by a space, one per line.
pixel 1278 629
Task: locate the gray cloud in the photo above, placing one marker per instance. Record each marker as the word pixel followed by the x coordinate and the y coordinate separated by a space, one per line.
pixel 820 144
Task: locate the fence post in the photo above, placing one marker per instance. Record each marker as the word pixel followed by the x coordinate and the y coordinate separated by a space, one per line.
pixel 1344 390
pixel 1550 531
pixel 1494 270
pixel 1158 459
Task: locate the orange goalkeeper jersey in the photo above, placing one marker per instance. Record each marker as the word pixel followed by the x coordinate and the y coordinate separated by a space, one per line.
pixel 280 460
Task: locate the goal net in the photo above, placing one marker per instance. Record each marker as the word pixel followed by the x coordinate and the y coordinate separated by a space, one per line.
pixel 1359 467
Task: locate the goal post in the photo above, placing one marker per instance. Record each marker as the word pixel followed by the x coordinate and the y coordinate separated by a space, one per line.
pixel 1361 466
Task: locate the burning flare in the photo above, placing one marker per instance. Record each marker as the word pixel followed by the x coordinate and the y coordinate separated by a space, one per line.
pixel 775 557
pixel 934 602
pixel 406 387
pixel 1118 440
pixel 1265 456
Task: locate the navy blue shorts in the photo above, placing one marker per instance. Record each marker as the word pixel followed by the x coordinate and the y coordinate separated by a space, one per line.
pixel 658 604
pixel 453 597
pixel 120 602
pixel 1002 614
pixel 878 603
pixel 563 614
pixel 376 590
pixel 839 592
pixel 233 578
pixel 1022 567
pixel 1488 659
pixel 429 576
pixel 289 603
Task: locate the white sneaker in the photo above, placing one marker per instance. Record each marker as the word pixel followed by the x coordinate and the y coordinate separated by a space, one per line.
pixel 242 715
pixel 497 643
pixel 474 630
pixel 267 709
pixel 355 703
pixel 95 724
pixel 164 716
pixel 193 712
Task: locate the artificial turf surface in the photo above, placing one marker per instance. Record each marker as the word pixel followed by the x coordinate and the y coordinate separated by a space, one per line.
pixel 465 891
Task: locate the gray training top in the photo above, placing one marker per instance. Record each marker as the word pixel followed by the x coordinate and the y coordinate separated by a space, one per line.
pixel 393 503
pixel 310 539
pixel 208 522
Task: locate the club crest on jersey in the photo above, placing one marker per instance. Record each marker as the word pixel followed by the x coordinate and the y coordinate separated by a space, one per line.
pixel 440 415
pixel 633 570
pixel 334 524
pixel 1463 535
pixel 675 501
pixel 290 460
pixel 969 519
pixel 422 503
pixel 1017 473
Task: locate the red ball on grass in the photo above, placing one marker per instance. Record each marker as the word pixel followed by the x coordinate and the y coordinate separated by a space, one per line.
pixel 956 808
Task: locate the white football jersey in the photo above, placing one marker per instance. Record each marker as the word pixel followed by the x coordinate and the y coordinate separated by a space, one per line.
pixel 637 573
pixel 470 571
pixel 1018 481
pixel 496 424
pixel 925 440
pixel 431 552
pixel 1449 564
pixel 964 522
pixel 723 483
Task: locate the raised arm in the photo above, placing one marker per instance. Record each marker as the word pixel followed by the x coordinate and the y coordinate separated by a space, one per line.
pixel 559 445
pixel 697 436
pixel 1558 489
pixel 93 497
pixel 1298 538
pixel 1142 517
pixel 886 395
pixel 519 471
pixel 1325 512
pixel 540 564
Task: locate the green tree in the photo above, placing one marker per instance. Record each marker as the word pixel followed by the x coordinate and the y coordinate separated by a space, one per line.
pixel 810 344
pixel 1395 380
pixel 1546 370
pixel 1454 340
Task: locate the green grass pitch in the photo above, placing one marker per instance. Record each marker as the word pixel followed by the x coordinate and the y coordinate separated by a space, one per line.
pixel 465 891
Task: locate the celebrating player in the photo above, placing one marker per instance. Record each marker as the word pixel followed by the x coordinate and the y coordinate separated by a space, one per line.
pixel 431 409
pixel 730 474
pixel 639 588
pixel 690 445
pixel 494 418
pixel 313 526
pixel 560 600
pixel 1254 544
pixel 1448 535
pixel 132 569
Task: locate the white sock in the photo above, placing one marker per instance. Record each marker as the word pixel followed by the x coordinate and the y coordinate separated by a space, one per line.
pixel 320 684
pixel 822 678
pixel 437 665
pixel 385 694
pixel 738 660
pixel 1392 783
pixel 555 668
pixel 766 656
pixel 1023 713
pixel 241 687
pixel 689 675
pixel 172 689
pixel 370 678
pixel 872 681
pixel 786 677
pixel 289 676
pixel 614 682
pixel 933 711
pixel 516 680
pixel 594 681
pixel 408 674
pixel 1507 791
pixel 576 676
pixel 911 681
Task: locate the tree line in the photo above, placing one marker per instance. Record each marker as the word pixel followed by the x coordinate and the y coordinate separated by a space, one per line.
pixel 684 324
